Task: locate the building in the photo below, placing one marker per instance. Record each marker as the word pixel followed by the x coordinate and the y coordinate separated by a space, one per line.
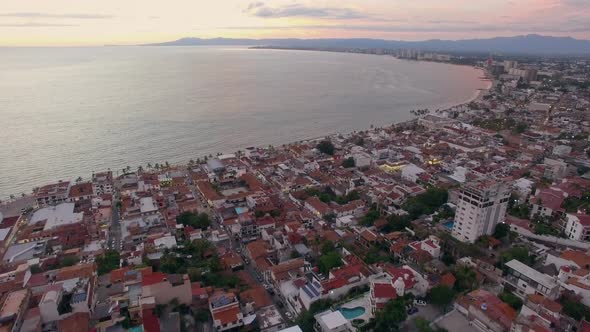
pixel 102 183
pixel 482 205
pixel 486 311
pixel 578 227
pixel 52 193
pixel 523 280
pixel 12 311
pixel 225 310
pixel 332 321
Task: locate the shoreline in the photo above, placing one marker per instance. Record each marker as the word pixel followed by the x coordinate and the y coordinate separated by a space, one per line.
pixel 477 95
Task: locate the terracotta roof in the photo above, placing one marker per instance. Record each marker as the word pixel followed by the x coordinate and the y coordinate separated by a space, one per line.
pixel 151 323
pixel 258 295
pixel 78 321
pixel 448 279
pixel 578 257
pixel 81 189
pixel 154 278
pixel 76 271
pixel 384 291
pixel 227 316
pixel 545 302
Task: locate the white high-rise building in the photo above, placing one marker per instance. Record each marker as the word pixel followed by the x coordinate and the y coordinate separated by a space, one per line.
pixel 482 205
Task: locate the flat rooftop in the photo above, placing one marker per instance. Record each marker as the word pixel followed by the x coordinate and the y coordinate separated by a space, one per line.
pixel 55 216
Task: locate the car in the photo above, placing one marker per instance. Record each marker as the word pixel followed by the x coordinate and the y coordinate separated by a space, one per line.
pixel 289 314
pixel 412 311
pixel 420 303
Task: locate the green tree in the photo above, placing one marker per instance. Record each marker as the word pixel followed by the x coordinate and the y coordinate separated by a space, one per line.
pixel 326 147
pixel 108 262
pixel 519 253
pixel 194 220
pixel 501 231
pixel 348 162
pixel 329 261
pixel 466 279
pixel 306 320
pixel 441 296
pixel 389 318
pixel 573 308
pixel 514 301
pixel 423 325
pixel 426 203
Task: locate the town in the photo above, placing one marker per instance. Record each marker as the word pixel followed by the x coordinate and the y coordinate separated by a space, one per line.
pixel 473 218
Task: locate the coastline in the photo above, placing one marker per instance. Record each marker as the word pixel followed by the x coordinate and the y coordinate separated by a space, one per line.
pixel 476 95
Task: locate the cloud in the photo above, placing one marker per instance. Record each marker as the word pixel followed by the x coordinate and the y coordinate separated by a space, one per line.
pixel 35 25
pixel 260 9
pixel 50 15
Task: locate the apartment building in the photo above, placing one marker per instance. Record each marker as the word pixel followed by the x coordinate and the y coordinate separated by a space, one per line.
pixel 482 205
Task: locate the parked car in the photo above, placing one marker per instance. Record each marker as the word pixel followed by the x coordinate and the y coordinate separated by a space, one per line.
pixel 412 311
pixel 420 303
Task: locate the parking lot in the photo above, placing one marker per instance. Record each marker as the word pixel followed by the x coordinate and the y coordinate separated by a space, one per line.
pixel 455 321
pixel 428 312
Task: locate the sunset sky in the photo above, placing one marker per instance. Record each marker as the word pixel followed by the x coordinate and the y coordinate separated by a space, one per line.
pixel 97 22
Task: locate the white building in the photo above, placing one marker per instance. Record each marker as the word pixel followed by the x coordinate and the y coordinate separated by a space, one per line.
pixel 482 205
pixel 410 172
pixel 55 216
pixel 578 227
pixel 332 321
pixel 523 280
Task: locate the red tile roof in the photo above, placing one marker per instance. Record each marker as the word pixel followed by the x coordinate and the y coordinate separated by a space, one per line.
pixel 154 278
pixel 151 323
pixel 384 291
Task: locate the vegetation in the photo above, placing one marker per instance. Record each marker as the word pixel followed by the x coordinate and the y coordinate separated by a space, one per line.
pixel 108 262
pixel 194 220
pixel 521 211
pixel 501 231
pixel 326 147
pixel 502 124
pixel 306 319
pixel 466 279
pixel 426 203
pixel 329 261
pixel 348 162
pixel 573 308
pixel 519 253
pixel 573 204
pixel 513 300
pixel 441 296
pixel 389 318
pixel 199 260
pixel 398 223
pixel 372 215
pixel 328 195
pixel 544 229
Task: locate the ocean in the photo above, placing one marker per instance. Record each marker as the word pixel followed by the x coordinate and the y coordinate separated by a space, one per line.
pixel 66 112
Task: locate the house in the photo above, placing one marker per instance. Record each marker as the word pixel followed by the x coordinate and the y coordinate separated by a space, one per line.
pixel 578 227
pixel 332 321
pixel 225 310
pixel 523 280
pixel 430 245
pixel 164 288
pixel 547 202
pixel 317 207
pixel 383 291
pixel 486 311
pixel 52 193
pixel 537 314
pixel 13 309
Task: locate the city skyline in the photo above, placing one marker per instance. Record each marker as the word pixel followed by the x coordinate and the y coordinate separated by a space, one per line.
pixel 72 23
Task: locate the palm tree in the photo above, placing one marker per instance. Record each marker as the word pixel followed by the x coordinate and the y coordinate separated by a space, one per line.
pixel 167 165
pixel 157 166
pixel 149 165
pixel 79 179
pixel 139 169
pixel 128 168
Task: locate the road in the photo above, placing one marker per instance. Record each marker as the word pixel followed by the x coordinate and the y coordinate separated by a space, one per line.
pixel 115 230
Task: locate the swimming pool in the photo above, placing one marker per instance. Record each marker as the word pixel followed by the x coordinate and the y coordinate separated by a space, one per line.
pixel 352 313
pixel 449 224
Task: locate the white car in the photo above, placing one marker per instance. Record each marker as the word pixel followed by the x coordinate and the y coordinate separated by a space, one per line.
pixel 420 303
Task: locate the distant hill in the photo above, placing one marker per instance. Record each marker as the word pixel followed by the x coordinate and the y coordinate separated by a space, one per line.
pixel 529 44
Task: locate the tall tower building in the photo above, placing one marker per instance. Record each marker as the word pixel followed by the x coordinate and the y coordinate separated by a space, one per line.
pixel 482 205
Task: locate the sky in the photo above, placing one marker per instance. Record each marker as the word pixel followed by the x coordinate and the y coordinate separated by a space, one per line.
pixel 99 22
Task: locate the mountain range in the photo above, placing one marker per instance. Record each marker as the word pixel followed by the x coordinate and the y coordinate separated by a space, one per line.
pixel 528 44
